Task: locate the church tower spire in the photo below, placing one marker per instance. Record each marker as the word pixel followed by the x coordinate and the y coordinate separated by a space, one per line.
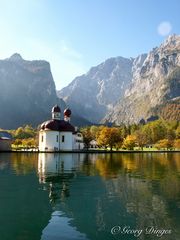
pixel 56 112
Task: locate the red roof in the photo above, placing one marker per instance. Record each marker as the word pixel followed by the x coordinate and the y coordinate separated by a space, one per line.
pixel 57 125
pixel 67 112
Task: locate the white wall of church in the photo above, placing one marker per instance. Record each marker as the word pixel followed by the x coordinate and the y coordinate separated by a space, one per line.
pixel 66 141
pixel 50 141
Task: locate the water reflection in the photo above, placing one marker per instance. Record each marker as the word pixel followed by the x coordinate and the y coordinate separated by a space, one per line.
pixel 57 170
pixel 25 163
pixel 24 207
pixel 92 193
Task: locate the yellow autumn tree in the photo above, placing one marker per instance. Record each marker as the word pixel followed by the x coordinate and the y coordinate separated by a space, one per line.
pixel 164 144
pixel 141 138
pixel 109 137
pixel 177 143
pixel 129 142
pixel 87 136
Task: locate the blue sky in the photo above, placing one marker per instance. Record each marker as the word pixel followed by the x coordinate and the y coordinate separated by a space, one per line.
pixel 74 35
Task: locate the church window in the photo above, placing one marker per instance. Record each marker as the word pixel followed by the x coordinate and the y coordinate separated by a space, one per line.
pixel 63 138
pixel 57 139
pixel 42 138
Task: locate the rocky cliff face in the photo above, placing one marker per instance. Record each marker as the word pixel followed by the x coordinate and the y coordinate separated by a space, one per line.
pixel 155 81
pixel 92 95
pixel 118 90
pixel 27 92
pixel 127 90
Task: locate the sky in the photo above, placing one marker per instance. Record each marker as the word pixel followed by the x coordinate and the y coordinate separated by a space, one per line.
pixel 74 35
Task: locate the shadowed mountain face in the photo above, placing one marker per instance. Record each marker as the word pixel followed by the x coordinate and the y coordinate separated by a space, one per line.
pixel 118 90
pixel 92 95
pixel 127 90
pixel 27 92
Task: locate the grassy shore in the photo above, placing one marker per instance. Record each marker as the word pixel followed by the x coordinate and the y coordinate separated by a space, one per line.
pixel 100 150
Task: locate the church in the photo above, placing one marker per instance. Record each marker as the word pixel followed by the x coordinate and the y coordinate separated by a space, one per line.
pixel 59 135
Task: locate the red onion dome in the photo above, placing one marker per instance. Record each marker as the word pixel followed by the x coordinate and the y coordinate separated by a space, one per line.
pixel 67 112
pixel 56 108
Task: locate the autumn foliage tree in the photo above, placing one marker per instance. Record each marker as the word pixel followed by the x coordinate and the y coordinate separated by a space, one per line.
pixel 109 137
pixel 164 144
pixel 129 142
pixel 87 136
pixel 141 138
pixel 24 132
pixel 177 143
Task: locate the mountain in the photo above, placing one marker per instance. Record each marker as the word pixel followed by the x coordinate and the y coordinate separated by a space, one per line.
pixel 93 94
pixel 169 111
pixel 117 90
pixel 127 90
pixel 27 92
pixel 155 86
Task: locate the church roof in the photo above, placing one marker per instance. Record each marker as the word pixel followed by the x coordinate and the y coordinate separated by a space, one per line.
pixel 56 108
pixel 57 125
pixel 67 112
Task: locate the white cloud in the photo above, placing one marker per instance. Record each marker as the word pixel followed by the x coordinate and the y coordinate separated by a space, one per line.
pixel 164 28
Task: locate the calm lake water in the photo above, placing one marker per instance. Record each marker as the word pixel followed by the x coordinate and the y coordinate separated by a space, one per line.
pixel 89 196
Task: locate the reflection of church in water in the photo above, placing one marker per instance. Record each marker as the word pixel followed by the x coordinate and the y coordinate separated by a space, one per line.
pixel 56 172
pixel 86 206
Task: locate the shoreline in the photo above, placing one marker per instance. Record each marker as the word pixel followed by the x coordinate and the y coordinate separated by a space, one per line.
pixel 94 151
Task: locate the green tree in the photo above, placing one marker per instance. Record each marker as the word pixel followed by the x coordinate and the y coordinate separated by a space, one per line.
pixel 158 130
pixel 171 134
pixel 95 130
pixel 87 136
pixel 146 132
pixel 25 132
pixel 133 128
pixel 124 131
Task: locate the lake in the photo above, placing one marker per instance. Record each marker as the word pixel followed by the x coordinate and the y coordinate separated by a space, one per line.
pixel 89 196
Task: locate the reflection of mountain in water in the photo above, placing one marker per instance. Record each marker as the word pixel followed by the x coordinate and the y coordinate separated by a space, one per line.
pixel 24 207
pixel 92 193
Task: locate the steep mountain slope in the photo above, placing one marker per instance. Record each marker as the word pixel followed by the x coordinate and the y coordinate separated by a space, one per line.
pixel 155 83
pixel 27 92
pixel 127 90
pixel 169 111
pixel 93 94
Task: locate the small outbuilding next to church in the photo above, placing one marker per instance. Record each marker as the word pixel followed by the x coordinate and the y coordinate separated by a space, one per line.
pixel 59 135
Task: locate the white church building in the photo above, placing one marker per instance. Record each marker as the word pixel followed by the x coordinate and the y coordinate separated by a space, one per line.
pixel 59 135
